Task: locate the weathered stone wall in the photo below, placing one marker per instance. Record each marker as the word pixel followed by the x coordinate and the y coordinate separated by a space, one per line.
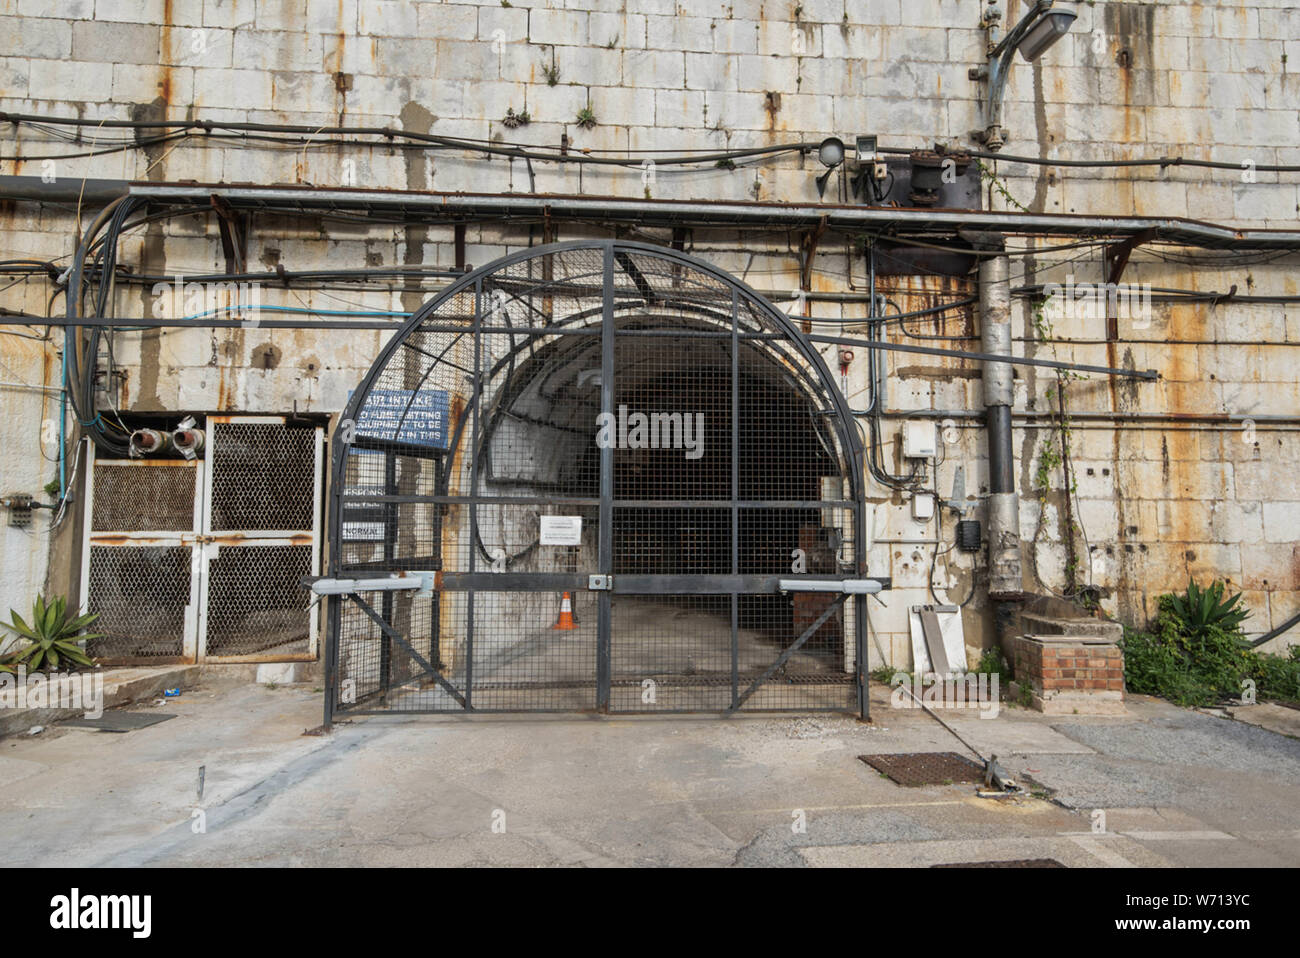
pixel 1156 500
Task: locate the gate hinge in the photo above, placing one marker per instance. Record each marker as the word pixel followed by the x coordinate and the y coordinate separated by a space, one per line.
pixel 600 583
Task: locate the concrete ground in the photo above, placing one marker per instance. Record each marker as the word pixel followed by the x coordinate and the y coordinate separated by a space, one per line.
pixel 1176 788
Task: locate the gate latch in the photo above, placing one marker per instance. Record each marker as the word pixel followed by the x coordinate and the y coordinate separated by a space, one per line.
pixel 600 583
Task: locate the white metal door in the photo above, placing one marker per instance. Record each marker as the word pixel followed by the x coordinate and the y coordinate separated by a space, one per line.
pixel 260 535
pixel 200 560
pixel 141 559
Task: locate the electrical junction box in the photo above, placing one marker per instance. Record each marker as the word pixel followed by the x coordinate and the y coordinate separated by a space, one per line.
pixel 919 439
pixel 923 506
pixel 20 510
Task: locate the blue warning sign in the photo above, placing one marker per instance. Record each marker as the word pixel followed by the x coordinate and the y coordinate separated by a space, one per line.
pixel 410 416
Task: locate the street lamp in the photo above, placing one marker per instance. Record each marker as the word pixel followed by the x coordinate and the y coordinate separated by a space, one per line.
pixel 1037 30
pixel 831 154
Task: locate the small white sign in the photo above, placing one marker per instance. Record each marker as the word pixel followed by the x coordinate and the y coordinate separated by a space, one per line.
pixel 561 530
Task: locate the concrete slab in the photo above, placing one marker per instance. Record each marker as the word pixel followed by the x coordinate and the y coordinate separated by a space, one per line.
pixel 16 769
pixel 1073 852
pixel 1275 718
pixel 1015 737
pixel 593 790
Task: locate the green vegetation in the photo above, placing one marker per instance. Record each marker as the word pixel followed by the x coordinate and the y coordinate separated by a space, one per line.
pixel 513 119
pixel 992 662
pixel 1026 697
pixel 1195 654
pixel 52 637
pixel 885 674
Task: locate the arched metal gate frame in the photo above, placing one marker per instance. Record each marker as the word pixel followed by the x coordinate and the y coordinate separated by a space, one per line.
pixel 597 476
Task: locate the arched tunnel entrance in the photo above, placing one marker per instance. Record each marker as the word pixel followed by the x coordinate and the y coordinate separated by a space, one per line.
pixel 599 476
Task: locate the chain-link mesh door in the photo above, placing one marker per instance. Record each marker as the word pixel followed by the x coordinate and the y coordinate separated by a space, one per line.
pixel 141 559
pixel 260 538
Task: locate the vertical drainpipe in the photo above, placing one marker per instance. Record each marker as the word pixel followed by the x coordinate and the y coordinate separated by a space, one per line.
pixel 1006 584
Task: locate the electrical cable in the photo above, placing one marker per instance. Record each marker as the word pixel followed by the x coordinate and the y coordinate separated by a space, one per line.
pixel 340 135
pixel 209 128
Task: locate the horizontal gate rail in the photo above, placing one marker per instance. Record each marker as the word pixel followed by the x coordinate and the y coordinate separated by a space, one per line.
pixel 621 584
pixel 723 584
pixel 362 497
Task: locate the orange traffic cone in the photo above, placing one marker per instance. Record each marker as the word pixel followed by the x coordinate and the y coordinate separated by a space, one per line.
pixel 566 623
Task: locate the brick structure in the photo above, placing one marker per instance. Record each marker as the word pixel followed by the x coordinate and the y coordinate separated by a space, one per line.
pixel 1070 674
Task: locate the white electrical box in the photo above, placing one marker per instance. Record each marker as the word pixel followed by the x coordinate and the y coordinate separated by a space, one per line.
pixel 923 506
pixel 919 439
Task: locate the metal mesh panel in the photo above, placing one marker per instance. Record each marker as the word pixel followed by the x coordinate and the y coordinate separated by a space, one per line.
pixel 255 604
pixel 262 476
pixel 711 455
pixel 376 670
pixel 143 496
pixel 140 594
pixel 522 661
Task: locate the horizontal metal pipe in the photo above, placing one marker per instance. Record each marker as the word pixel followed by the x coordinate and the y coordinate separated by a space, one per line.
pixel 1190 418
pixel 152 323
pixel 724 213
pixel 668 212
pixel 203 125
pixel 985 357
pixel 62 190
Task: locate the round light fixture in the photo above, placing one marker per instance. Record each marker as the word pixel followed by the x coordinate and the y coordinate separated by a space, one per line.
pixel 831 152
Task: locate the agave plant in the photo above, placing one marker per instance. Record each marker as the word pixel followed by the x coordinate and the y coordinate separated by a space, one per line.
pixel 1204 609
pixel 52 636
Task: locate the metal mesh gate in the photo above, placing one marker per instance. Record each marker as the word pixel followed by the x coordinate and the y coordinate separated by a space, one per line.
pixel 141 559
pixel 261 536
pixel 201 559
pixel 596 476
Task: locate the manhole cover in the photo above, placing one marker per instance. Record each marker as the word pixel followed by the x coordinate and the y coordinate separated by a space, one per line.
pixel 926 768
pixel 121 721
pixel 1014 863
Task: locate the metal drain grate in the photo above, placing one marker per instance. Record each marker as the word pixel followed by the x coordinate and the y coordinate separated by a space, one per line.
pixel 1014 863
pixel 925 768
pixel 121 721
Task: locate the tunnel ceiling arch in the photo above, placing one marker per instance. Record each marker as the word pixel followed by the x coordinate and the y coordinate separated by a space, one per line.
pixel 603 463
